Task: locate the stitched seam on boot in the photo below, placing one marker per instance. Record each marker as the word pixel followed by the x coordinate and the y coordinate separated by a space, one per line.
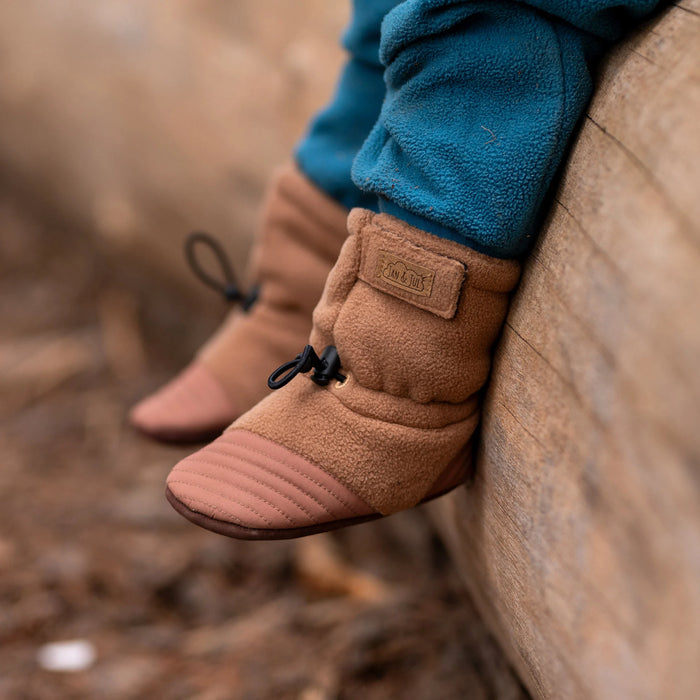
pixel 270 471
pixel 219 510
pixel 223 512
pixel 272 488
pixel 256 481
pixel 291 483
pixel 218 493
pixel 297 471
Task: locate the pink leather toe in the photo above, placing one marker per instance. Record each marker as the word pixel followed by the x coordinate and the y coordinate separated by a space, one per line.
pixel 250 481
pixel 192 406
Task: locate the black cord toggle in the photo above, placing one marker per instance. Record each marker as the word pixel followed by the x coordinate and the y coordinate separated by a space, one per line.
pixel 229 287
pixel 326 368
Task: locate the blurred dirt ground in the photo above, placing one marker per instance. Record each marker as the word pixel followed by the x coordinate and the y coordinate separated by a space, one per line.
pixel 89 549
pixel 124 123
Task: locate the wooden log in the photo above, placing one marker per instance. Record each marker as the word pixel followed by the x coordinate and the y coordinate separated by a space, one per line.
pixel 580 537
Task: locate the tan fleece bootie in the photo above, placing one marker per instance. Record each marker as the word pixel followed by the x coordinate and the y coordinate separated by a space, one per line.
pixel 384 419
pixel 301 233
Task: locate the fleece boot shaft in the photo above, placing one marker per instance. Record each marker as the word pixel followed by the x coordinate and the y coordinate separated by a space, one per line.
pixel 300 236
pixel 381 417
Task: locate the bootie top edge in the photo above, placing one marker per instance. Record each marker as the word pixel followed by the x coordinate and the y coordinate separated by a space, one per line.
pixel 483 271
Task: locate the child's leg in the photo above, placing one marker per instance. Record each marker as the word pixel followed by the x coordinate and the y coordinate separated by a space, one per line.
pixel 299 239
pixel 336 134
pixel 482 99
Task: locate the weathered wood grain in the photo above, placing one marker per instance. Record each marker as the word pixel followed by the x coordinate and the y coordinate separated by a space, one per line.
pixel 580 537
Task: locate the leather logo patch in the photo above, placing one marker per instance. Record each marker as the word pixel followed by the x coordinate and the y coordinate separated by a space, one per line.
pixel 405 275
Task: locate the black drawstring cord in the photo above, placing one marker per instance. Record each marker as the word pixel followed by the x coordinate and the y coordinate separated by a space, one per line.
pixel 229 287
pixel 325 368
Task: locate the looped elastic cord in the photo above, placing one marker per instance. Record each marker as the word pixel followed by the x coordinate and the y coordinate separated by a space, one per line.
pixel 229 287
pixel 325 368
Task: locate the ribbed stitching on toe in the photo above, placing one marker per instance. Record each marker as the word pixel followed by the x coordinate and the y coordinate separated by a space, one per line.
pixel 287 465
pixel 246 454
pixel 240 472
pixel 187 497
pixel 264 485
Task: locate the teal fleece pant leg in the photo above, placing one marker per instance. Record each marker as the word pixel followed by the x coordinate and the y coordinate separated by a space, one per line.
pixel 336 134
pixel 455 115
pixel 482 99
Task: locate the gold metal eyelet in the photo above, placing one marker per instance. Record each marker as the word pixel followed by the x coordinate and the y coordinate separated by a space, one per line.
pixel 340 385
